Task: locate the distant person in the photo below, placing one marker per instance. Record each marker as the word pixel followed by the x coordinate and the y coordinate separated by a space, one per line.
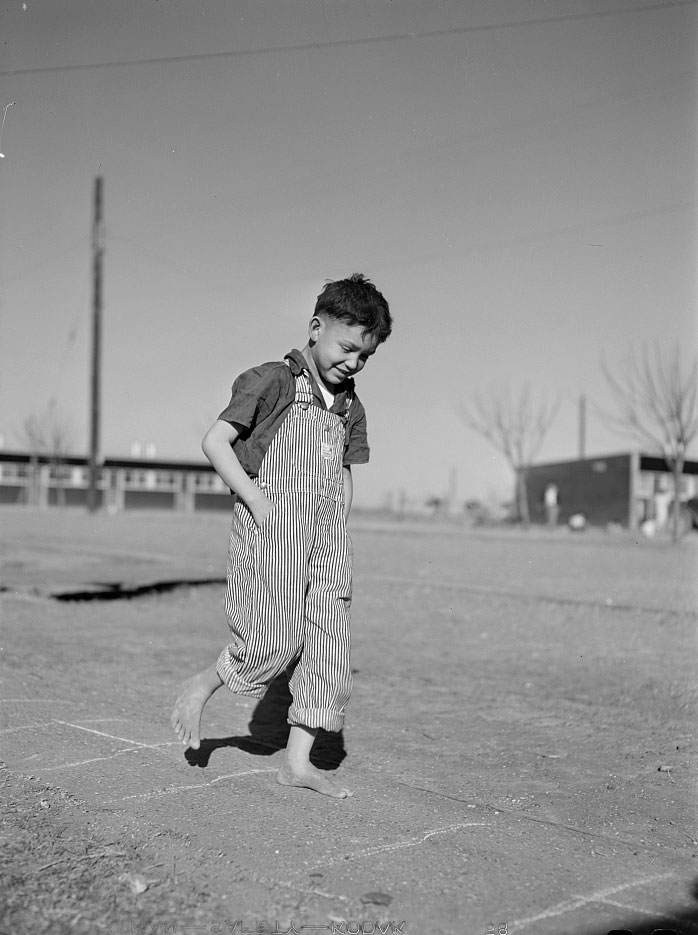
pixel 285 445
pixel 550 502
pixel 662 502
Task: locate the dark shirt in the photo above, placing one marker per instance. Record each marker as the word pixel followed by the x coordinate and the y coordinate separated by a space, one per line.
pixel 262 398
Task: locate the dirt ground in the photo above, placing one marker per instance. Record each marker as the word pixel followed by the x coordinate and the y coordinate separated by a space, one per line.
pixel 520 740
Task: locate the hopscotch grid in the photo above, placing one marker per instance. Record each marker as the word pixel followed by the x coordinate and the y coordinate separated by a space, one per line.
pixel 398 845
pixel 95 759
pixel 644 912
pixel 101 759
pixel 100 733
pixel 577 902
pixel 98 720
pixel 135 745
pixel 174 790
pixel 47 724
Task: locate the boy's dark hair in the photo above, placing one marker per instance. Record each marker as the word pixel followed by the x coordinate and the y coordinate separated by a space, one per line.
pixel 357 302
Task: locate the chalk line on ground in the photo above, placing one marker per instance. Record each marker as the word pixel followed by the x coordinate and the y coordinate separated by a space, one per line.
pixel 174 790
pixel 578 902
pixel 97 720
pixel 397 845
pixel 94 759
pixel 135 745
pixel 645 912
pixel 100 733
pixel 100 759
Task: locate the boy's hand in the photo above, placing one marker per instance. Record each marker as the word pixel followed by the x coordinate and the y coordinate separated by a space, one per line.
pixel 260 507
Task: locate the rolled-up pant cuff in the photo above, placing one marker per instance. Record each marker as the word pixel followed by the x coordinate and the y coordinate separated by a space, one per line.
pixel 231 680
pixel 316 717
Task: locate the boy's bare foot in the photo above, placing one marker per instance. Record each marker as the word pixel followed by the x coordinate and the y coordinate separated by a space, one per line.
pixel 186 716
pixel 307 776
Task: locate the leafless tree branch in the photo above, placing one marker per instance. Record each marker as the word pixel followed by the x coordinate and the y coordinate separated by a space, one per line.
pixel 47 433
pixel 516 426
pixel 657 405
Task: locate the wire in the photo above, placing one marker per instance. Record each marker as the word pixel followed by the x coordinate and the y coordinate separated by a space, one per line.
pixel 343 43
pixel 551 234
pixel 408 160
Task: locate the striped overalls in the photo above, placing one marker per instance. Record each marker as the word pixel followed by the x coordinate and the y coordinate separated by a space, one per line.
pixel 289 580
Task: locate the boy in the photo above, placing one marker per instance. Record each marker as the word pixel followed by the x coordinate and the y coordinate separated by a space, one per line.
pixel 285 445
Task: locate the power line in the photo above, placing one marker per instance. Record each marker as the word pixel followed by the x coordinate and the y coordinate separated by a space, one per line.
pixel 414 259
pixel 343 43
pixel 552 234
pixel 415 157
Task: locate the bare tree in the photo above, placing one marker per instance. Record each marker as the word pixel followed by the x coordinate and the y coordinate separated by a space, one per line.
pixel 657 399
pixel 516 425
pixel 49 434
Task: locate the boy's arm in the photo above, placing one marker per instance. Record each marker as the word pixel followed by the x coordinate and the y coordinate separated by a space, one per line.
pixel 348 490
pixel 218 448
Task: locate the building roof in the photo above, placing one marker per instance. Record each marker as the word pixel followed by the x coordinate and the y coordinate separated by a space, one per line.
pixel 647 462
pixel 153 464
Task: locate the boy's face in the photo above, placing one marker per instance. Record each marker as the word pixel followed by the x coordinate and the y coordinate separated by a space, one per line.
pixel 339 350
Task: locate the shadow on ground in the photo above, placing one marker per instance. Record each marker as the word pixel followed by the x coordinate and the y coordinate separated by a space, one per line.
pixel 680 923
pixel 269 733
pixel 672 922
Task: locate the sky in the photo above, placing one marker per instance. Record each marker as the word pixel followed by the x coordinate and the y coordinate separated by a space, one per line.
pixel 517 178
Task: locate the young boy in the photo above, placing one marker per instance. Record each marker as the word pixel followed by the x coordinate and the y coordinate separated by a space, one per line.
pixel 285 445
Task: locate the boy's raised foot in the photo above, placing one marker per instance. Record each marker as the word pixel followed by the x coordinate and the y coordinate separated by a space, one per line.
pixel 307 776
pixel 186 716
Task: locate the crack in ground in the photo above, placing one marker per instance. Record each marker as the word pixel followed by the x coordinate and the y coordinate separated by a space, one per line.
pixel 118 591
pixel 540 819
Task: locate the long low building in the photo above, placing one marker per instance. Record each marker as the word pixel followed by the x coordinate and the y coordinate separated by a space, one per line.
pixel 123 483
pixel 627 489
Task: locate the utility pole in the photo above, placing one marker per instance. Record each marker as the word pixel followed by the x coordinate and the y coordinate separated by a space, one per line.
pixel 582 426
pixel 95 373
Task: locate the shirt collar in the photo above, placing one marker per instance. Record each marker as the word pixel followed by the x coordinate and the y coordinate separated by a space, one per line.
pixel 297 364
pixel 296 361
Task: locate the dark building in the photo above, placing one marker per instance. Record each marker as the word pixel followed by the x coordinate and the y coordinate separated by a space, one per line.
pixel 624 488
pixel 123 484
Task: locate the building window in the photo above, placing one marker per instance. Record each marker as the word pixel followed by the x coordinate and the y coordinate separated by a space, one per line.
pixel 13 471
pixel 59 472
pixel 78 477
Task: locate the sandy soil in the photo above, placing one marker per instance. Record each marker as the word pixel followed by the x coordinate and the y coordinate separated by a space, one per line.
pixel 520 741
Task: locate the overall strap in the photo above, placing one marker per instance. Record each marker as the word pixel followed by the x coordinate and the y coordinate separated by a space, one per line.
pixel 304 391
pixel 348 400
pixel 304 395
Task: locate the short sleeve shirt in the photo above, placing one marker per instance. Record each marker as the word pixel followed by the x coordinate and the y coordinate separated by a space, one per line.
pixel 261 399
